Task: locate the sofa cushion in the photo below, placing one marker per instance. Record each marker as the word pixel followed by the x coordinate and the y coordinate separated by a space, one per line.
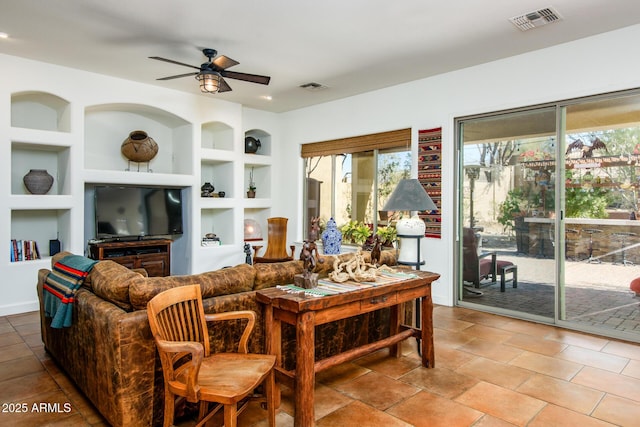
pixel 213 283
pixel 276 273
pixel 111 281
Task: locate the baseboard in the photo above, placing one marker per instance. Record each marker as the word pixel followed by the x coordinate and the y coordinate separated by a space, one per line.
pixel 26 307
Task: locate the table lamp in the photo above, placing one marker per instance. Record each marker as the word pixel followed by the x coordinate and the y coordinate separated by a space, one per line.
pixel 410 196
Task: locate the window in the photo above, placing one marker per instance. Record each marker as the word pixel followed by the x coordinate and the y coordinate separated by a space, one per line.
pixel 349 181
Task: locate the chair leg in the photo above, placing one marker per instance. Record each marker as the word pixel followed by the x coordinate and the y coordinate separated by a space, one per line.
pixel 169 407
pixel 270 391
pixel 203 410
pixel 231 415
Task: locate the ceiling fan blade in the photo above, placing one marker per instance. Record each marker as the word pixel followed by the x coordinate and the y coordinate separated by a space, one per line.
pixel 171 61
pixel 223 62
pixel 178 76
pixel 224 87
pixel 253 78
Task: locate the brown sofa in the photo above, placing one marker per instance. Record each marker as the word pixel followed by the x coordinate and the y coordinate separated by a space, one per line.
pixel 110 354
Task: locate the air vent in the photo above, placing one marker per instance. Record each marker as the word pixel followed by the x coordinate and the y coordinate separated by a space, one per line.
pixel 313 87
pixel 536 19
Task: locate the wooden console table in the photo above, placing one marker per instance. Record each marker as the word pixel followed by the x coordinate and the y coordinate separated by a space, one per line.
pixel 305 312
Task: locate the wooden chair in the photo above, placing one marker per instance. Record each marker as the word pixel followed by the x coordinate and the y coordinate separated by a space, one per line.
pixel 178 324
pixel 276 242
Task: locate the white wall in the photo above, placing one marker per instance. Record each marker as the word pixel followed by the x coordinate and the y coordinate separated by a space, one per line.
pixel 595 65
pixel 598 64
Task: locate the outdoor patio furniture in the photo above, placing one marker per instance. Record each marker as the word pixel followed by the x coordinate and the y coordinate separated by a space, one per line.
pixel 572 236
pixel 504 268
pixel 476 266
pixel 622 237
pixel 591 232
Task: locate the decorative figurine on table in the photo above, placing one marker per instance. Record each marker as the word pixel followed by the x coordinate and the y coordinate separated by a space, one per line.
pixel 247 251
pixel 308 279
pixel 376 250
pixel 314 230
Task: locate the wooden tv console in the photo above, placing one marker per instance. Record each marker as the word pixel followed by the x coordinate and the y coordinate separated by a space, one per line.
pixel 152 255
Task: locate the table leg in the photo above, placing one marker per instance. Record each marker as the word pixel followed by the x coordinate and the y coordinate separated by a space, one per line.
pixel 394 328
pixel 273 329
pixel 428 354
pixel 305 373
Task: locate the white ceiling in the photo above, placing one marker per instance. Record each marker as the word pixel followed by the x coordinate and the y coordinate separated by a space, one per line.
pixel 350 46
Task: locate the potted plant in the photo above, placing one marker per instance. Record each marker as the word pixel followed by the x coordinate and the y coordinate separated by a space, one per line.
pixel 387 235
pixel 356 232
pixel 252 186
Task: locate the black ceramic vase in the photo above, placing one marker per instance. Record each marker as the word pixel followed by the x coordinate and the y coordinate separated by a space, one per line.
pixel 251 144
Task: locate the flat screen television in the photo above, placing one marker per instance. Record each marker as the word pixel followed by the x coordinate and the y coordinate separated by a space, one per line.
pixel 137 212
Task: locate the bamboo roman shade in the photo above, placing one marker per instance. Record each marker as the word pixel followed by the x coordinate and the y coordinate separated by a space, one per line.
pixel 356 144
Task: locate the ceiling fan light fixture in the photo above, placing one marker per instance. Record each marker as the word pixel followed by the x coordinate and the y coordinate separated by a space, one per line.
pixel 209 81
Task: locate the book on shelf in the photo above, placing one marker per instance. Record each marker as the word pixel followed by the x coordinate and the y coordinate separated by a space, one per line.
pixel 24 250
pixel 211 241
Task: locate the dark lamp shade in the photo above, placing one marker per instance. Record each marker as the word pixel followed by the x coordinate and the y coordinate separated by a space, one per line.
pixel 409 195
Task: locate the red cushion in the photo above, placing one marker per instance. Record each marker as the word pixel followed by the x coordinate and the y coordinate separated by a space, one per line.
pixel 502 264
pixel 485 267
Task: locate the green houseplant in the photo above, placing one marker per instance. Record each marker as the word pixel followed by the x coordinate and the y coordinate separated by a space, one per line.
pixel 355 231
pixel 513 206
pixel 387 235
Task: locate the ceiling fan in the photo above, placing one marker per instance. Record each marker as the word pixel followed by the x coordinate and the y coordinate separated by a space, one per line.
pixel 211 74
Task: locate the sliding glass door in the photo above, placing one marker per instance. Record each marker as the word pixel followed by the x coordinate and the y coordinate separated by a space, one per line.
pixel 507 212
pixel 548 213
pixel 602 231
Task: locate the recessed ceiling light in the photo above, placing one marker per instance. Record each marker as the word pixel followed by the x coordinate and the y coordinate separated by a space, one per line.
pixel 266 97
pixel 4 35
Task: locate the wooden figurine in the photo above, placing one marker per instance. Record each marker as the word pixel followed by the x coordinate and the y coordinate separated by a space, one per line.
pixel 308 279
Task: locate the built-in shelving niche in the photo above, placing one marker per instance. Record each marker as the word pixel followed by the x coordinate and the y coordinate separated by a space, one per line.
pixel 259 215
pixel 220 174
pixel 53 159
pixel 265 141
pixel 108 126
pixel 217 136
pixel 41 225
pixel 40 111
pixel 219 222
pixel 261 177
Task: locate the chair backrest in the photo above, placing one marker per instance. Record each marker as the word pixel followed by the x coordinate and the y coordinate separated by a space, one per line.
pixel 470 263
pixel 178 315
pixel 276 238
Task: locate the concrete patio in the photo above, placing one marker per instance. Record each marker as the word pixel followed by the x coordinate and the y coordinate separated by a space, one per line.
pixel 596 295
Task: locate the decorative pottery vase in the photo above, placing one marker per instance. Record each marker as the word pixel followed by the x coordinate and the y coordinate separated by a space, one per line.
pixel 207 189
pixel 139 147
pixel 251 144
pixel 251 194
pixel 38 181
pixel 331 238
pixel 221 194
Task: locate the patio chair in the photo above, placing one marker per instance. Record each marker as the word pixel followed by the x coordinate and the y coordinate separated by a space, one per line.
pixel 481 265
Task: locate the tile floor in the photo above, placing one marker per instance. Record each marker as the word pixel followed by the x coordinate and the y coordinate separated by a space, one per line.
pixel 490 371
